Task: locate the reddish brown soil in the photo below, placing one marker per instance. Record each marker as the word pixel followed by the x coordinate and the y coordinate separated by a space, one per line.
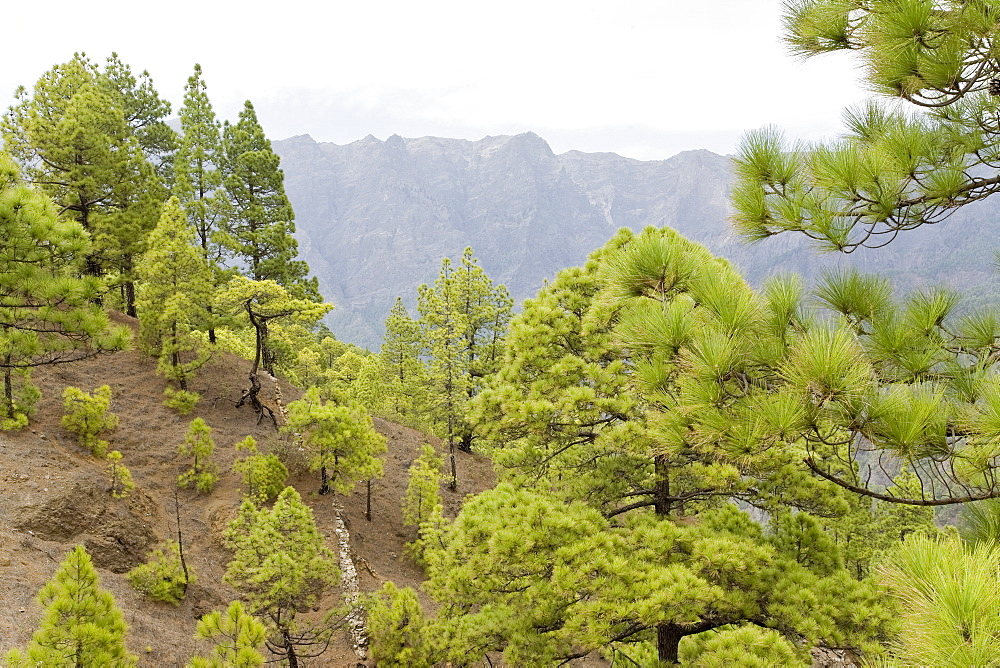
pixel 53 496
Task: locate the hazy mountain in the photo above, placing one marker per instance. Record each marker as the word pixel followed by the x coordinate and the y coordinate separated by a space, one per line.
pixel 375 218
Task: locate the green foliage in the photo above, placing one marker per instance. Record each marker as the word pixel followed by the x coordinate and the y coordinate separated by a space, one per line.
pixel 640 399
pixel 553 578
pixel 264 476
pixel 163 577
pixel 980 522
pixel 259 222
pixel 47 313
pixel 281 565
pixel 199 445
pixel 340 440
pixel 119 477
pixel 404 374
pixel 197 180
pixel 423 491
pixel 895 168
pixel 87 416
pixel 748 646
pixel 396 628
pixel 182 401
pixel 463 322
pixel 174 297
pixel 264 302
pixel 81 625
pixel 949 595
pixel 93 141
pixel 238 638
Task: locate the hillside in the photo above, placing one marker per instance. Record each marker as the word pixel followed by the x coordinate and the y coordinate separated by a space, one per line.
pixel 374 218
pixel 52 497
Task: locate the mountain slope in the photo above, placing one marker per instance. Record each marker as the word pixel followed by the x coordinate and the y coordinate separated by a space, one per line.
pixel 375 218
pixel 53 496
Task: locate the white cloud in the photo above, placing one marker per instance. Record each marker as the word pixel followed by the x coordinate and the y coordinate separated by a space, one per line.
pixel 623 76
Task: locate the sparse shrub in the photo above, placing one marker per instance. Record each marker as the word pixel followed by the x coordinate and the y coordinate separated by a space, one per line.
pixel 199 445
pixel 396 628
pixel 163 577
pixel 120 476
pixel 239 637
pixel 182 401
pixel 264 476
pixel 423 489
pixel 87 416
pixel 15 415
pixel 429 537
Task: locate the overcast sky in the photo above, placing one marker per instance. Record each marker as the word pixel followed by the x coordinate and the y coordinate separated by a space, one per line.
pixel 642 78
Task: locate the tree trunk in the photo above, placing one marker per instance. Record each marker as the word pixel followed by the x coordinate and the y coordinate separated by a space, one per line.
pixel 453 485
pixel 180 544
pixel 130 299
pixel 661 486
pixel 465 445
pixel 8 388
pixel 293 661
pixel 324 488
pixel 368 501
pixel 668 640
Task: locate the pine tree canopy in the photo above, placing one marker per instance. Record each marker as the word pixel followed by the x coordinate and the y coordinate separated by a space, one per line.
pixel 47 314
pixel 894 169
pixel 646 400
pixel 81 625
pixel 258 216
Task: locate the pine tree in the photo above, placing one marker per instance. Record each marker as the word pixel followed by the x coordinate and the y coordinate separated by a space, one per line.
pixel 258 216
pixel 281 565
pixel 198 444
pixel 893 170
pixel 463 320
pixel 197 179
pixel 639 399
pixel 340 440
pixel 265 302
pixel 396 625
pixel 175 296
pixel 78 135
pixel 405 373
pixel 46 312
pixel 119 476
pixel 87 416
pixel 264 476
pixel 423 487
pixel 164 577
pixel 238 638
pixel 145 112
pixel 81 625
pixel 949 595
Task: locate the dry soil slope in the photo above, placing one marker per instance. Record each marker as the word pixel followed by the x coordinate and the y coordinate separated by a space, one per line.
pixel 52 497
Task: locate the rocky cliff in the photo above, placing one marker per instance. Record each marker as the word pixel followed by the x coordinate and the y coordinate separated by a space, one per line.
pixel 375 218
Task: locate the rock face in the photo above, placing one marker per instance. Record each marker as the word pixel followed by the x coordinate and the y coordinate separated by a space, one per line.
pixel 375 218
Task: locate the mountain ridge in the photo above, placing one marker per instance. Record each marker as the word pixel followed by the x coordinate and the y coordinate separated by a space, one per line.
pixel 375 218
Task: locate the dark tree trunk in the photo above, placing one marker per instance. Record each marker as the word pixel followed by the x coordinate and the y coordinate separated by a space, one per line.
pixel 661 489
pixel 293 661
pixel 180 545
pixel 465 445
pixel 8 388
pixel 324 488
pixel 368 501
pixel 130 299
pixel 668 640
